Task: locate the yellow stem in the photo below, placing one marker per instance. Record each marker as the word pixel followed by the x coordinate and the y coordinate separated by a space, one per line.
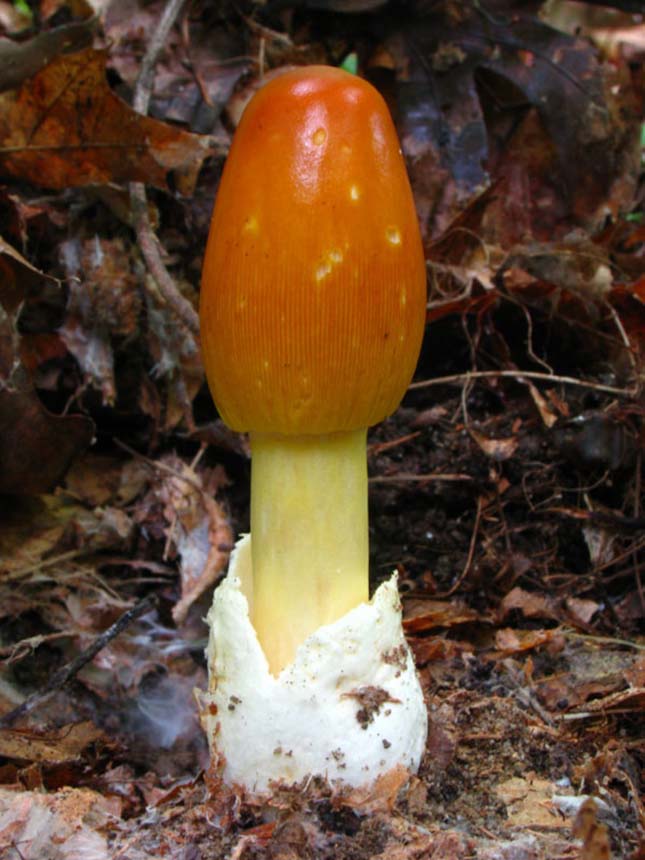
pixel 309 535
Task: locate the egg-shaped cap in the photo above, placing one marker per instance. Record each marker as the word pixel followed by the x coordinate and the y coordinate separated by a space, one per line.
pixel 314 285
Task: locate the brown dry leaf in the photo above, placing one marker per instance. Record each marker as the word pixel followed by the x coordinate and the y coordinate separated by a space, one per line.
pixel 497 449
pixel 547 415
pixel 104 303
pixel 63 745
pixel 32 531
pixel 421 615
pixel 198 527
pixel 529 802
pixel 581 611
pixel 382 795
pixel 443 737
pixel 65 127
pixel 529 604
pixel 625 701
pixel 433 649
pixel 513 641
pixel 594 835
pixel 65 825
pixel 176 361
pixel 635 674
pixel 21 59
pixel 37 447
pixel 100 479
pixel 17 277
pixel 418 848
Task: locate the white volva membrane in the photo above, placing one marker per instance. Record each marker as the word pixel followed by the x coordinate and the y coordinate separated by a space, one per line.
pixel 349 707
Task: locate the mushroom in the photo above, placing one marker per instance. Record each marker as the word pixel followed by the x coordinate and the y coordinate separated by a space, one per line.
pixel 312 314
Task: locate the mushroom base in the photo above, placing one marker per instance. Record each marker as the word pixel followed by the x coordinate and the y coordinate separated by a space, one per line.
pixel 348 708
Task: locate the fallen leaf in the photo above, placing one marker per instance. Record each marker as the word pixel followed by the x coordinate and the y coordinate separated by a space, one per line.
pixel 198 528
pixel 37 447
pixel 55 747
pixel 65 127
pixel 421 615
pixel 381 795
pixel 100 479
pixel 104 304
pixel 64 825
pixel 625 701
pixel 497 449
pixel 33 529
pixel 581 611
pixel 531 605
pixel 468 79
pixel 547 415
pixel 432 649
pixel 529 803
pixel 515 641
pixel 594 835
pixel 18 278
pixel 20 60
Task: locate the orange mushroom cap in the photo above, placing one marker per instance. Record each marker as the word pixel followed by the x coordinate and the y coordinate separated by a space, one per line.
pixel 314 284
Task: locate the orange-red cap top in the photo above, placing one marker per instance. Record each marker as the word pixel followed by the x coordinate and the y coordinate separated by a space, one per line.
pixel 314 285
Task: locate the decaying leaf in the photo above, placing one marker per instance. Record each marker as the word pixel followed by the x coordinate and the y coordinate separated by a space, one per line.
pixel 20 60
pixel 594 834
pixel 104 304
pixel 509 98
pixel 36 447
pixel 36 531
pixel 514 641
pixel 422 615
pixel 18 278
pixel 63 745
pixel 496 449
pixel 530 604
pixel 529 803
pixel 65 825
pixel 198 528
pixel 65 127
pixel 381 796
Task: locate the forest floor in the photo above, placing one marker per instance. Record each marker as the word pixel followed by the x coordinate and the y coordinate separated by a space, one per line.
pixel 507 490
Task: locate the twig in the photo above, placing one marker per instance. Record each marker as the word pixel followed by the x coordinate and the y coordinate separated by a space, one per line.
pixel 602 640
pixel 520 375
pixel 471 551
pixel 44 563
pixel 404 478
pixel 380 447
pixel 148 241
pixel 63 676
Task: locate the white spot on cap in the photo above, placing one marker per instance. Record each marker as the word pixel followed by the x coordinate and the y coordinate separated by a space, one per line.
pixel 251 225
pixel 325 267
pixel 322 271
pixel 354 192
pixel 393 235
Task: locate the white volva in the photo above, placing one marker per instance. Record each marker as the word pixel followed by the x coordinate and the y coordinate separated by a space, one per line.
pixel 349 707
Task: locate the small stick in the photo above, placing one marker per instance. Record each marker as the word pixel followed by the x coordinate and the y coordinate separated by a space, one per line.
pixel 148 241
pixel 404 478
pixel 62 677
pixel 519 375
pixel 471 551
